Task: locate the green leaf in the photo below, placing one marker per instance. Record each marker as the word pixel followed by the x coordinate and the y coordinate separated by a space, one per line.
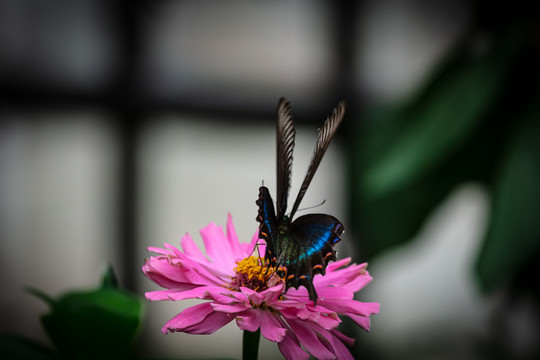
pixel 40 294
pixel 513 237
pixel 94 324
pixel 406 159
pixel 109 281
pixel 442 117
pixel 391 220
pixel 16 347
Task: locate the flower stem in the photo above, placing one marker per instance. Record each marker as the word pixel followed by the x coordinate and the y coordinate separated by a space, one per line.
pixel 250 347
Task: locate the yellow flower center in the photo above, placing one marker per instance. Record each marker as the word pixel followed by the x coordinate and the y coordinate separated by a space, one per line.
pixel 254 274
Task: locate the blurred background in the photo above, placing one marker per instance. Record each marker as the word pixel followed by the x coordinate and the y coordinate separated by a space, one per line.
pixel 126 124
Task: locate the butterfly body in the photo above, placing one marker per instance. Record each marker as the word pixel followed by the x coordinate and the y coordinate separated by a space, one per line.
pixel 300 248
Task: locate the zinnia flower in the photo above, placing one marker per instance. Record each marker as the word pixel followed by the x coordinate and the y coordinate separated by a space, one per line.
pixel 239 287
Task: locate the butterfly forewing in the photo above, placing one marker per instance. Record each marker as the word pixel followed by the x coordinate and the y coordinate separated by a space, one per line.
pixel 268 224
pixel 285 146
pixel 326 133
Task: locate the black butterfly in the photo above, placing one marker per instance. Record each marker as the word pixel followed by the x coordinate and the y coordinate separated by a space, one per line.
pixel 303 247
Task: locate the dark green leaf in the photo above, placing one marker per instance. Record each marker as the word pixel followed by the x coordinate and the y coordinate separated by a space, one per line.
pixel 109 281
pixel 94 324
pixel 15 347
pixel 407 158
pixel 441 118
pixel 513 237
pixel 395 218
pixel 40 294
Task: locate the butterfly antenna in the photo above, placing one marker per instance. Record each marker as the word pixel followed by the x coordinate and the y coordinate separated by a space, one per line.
pixel 312 207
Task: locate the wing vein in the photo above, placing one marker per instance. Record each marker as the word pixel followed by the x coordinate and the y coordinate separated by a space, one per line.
pixel 285 146
pixel 326 133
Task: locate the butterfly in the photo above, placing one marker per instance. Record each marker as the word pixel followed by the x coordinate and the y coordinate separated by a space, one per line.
pixel 299 249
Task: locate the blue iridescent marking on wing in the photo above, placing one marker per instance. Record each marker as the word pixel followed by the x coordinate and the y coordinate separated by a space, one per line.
pixel 319 237
pixel 316 235
pixel 267 219
pixel 266 207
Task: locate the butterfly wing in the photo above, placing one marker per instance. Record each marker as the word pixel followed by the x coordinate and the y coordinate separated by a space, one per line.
pixel 307 249
pixel 285 146
pixel 326 133
pixel 267 223
pixel 305 246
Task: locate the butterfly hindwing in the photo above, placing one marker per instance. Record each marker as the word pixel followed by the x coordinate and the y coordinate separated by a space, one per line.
pixel 310 247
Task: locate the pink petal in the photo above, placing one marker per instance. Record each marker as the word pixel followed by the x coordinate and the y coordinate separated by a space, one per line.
pixel 250 320
pixel 271 295
pixel 231 309
pixel 210 324
pixel 334 341
pixel 191 249
pixel 163 295
pixel 352 306
pixel 268 296
pixel 362 321
pixel 217 246
pixel 174 252
pixel 345 276
pixel 339 349
pixel 309 339
pixel 174 272
pixel 201 292
pixel 344 338
pixel 198 319
pixel 248 248
pixel 338 264
pixel 331 292
pixel 188 317
pixel 359 283
pixel 291 349
pixel 199 273
pixel 237 252
pixel 328 322
pixel 161 280
pixel 270 327
pixel 170 277
pixel 299 294
pixel 223 297
pixel 159 250
pixel 290 346
pixel 207 268
pixel 255 297
pixel 289 313
pixel 242 298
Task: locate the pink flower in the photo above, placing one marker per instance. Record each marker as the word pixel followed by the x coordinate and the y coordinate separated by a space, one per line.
pixel 238 287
